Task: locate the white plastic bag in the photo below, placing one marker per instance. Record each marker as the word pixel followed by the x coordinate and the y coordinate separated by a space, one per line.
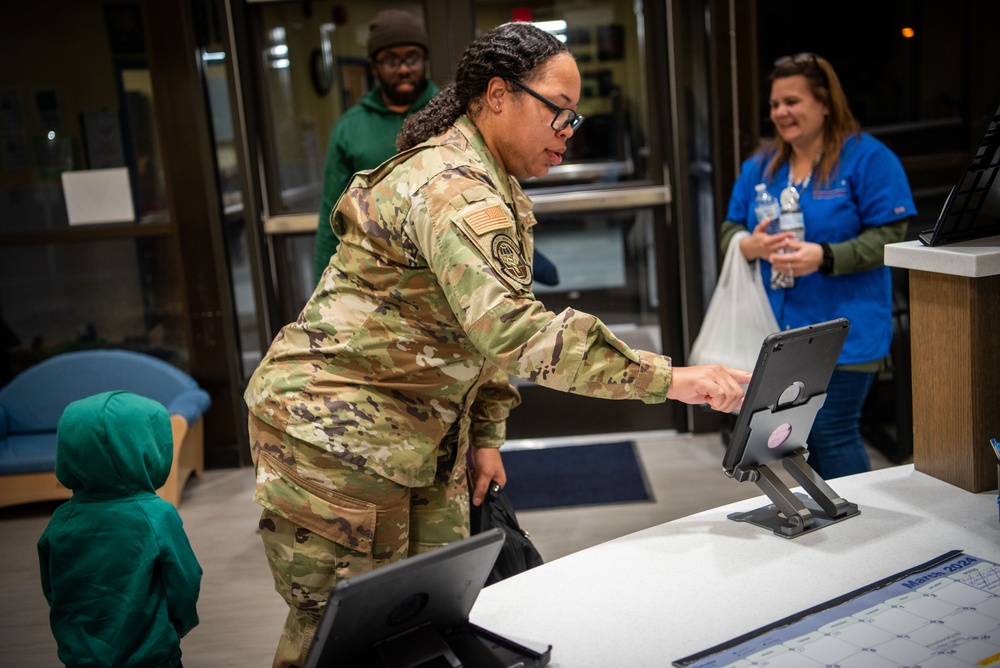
pixel 739 315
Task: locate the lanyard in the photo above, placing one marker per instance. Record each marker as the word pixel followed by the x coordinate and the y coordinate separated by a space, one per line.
pixel 805 181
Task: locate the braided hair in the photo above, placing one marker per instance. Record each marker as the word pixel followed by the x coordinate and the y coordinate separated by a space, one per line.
pixel 508 51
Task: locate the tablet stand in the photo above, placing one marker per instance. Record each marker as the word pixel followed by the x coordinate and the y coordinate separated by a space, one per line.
pixel 420 646
pixel 791 514
pixel 461 646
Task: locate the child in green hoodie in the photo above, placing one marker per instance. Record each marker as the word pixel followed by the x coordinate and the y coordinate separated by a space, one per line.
pixel 117 569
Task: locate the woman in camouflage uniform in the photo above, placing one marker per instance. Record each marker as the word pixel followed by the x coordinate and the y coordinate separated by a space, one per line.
pixel 363 410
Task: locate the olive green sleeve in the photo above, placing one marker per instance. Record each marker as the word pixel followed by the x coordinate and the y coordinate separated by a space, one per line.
pixel 867 250
pixel 864 252
pixel 726 234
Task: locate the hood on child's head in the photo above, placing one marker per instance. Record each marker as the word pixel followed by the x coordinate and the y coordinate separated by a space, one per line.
pixel 115 442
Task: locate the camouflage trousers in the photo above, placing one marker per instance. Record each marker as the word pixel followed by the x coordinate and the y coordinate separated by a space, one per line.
pixel 367 522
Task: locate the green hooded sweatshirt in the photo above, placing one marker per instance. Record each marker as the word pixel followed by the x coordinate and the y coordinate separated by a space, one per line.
pixel 117 568
pixel 363 138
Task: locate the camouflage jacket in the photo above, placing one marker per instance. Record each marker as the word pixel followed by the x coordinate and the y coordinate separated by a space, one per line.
pixel 406 345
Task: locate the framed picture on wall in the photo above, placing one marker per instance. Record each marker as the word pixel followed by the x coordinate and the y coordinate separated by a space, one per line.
pixel 102 139
pixel 577 37
pixel 355 79
pixel 125 32
pixel 610 42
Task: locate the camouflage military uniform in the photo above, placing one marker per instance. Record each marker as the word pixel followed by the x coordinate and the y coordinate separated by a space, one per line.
pixel 400 360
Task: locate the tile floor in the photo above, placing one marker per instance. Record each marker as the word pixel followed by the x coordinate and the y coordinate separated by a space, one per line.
pixel 241 616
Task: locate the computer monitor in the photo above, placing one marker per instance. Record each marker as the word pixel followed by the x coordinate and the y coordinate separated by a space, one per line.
pixel 415 613
pixel 972 210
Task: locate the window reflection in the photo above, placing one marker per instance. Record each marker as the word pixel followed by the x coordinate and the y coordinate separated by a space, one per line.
pixel 605 39
pixel 220 108
pixel 216 77
pixel 315 68
pixel 606 265
pixel 610 149
pixel 142 145
pixel 56 298
pixel 77 95
pixel 605 259
pixel 60 127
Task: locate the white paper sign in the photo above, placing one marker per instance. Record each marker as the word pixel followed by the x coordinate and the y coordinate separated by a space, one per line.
pixel 98 196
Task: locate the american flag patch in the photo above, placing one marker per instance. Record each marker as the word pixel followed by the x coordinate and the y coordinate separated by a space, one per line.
pixel 488 219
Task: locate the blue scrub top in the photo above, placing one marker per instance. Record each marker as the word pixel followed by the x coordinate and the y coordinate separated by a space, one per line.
pixel 868 188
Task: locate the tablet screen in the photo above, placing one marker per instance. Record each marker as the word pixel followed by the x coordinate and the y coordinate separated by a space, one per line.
pixel 788 383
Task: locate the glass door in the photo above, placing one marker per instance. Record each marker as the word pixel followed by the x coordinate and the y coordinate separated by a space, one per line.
pixel 603 213
pixel 309 66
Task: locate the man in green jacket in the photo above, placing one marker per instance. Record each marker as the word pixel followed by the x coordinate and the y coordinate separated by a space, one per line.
pixel 116 566
pixel 365 136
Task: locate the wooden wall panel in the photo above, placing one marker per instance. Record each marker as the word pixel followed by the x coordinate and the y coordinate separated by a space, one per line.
pixel 956 377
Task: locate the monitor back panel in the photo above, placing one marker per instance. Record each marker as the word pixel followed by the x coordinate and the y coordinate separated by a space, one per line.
pixel 435 589
pixel 972 210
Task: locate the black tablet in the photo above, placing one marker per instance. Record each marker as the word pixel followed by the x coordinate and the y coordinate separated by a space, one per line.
pixel 786 390
pixel 417 608
pixel 436 588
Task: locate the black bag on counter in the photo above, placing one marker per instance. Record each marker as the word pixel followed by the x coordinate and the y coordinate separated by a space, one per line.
pixel 518 553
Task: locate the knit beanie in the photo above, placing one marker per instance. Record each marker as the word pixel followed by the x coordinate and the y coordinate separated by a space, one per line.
pixel 394 27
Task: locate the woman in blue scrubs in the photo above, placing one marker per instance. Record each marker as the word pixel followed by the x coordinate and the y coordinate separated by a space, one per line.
pixel 855 198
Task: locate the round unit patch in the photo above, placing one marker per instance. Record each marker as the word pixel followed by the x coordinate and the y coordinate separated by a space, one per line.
pixel 507 253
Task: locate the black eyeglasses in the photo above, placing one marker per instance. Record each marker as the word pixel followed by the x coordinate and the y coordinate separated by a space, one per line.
pixel 565 118
pixel 393 62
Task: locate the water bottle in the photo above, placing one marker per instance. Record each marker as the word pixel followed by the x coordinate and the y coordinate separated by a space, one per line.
pixel 765 207
pixel 789 220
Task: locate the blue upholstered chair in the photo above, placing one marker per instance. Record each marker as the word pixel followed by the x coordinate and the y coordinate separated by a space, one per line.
pixel 32 403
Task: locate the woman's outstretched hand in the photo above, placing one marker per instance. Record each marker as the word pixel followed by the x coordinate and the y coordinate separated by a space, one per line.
pixel 713 384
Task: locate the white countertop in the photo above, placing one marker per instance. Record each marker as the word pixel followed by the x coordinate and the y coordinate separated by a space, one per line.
pixel 975 259
pixel 670 591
